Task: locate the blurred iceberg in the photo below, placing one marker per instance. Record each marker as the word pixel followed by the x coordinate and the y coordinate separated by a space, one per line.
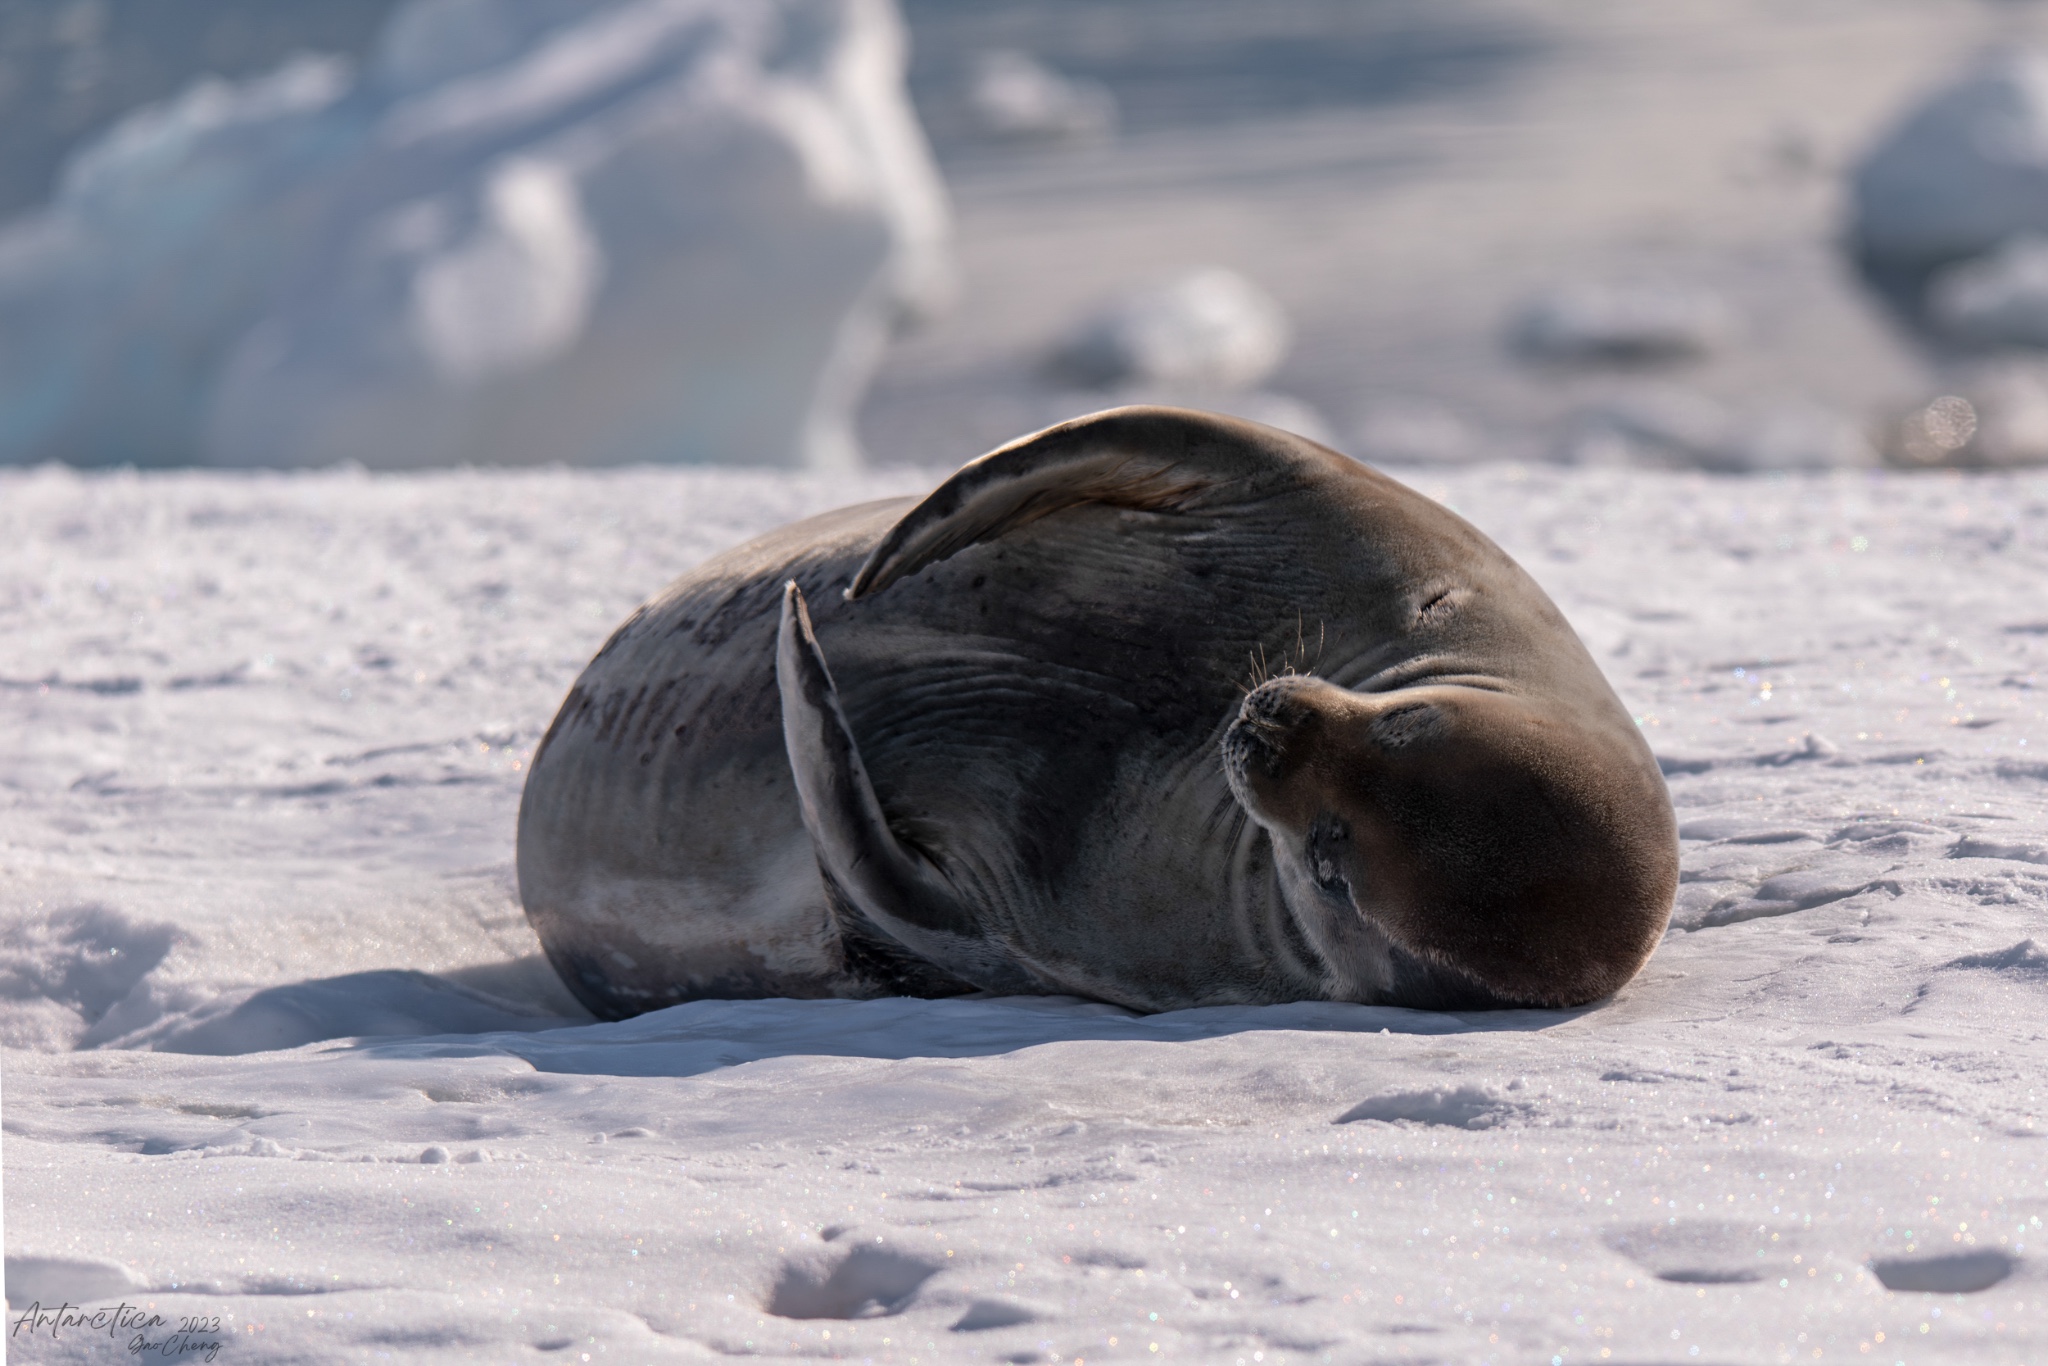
pixel 1667 427
pixel 1998 299
pixel 1014 96
pixel 1653 424
pixel 1210 329
pixel 1407 431
pixel 526 231
pixel 1623 321
pixel 1962 171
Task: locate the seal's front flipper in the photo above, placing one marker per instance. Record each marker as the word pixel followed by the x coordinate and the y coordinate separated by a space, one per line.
pixel 1153 459
pixel 887 897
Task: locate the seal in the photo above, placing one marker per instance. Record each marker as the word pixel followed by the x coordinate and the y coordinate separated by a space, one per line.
pixel 1154 707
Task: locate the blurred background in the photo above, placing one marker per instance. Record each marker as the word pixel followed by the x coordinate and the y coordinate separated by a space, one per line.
pixel 1732 234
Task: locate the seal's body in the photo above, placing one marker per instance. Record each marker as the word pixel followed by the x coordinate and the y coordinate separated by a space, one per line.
pixel 1154 707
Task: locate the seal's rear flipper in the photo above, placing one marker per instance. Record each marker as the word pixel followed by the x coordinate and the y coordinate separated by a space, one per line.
pixel 880 890
pixel 1154 459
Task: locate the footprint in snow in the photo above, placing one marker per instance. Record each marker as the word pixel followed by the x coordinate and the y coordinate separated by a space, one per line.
pixel 982 1315
pixel 1463 1107
pixel 868 1281
pixel 1971 847
pixel 1948 1273
pixel 1704 1252
pixel 2025 960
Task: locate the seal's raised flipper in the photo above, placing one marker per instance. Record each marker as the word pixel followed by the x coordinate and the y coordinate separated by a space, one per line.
pixel 1155 459
pixel 878 883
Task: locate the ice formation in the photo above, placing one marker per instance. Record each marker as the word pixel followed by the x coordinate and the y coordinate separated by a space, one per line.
pixel 1410 431
pixel 526 231
pixel 1962 171
pixel 1209 328
pixel 1675 428
pixel 1623 320
pixel 1998 299
pixel 1014 96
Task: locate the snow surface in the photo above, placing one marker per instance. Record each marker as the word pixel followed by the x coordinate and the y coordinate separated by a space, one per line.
pixel 267 734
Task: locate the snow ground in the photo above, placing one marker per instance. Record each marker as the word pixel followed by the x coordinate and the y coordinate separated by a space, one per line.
pixel 266 736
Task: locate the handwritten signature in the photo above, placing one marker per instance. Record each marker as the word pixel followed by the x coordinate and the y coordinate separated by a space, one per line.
pixel 195 1335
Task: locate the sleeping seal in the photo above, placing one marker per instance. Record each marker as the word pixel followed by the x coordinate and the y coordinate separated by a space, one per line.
pixel 1154 707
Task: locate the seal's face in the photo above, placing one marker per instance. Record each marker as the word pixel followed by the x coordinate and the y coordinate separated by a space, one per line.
pixel 1484 832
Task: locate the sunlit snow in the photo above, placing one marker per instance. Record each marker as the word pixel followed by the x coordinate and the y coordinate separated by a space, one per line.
pixel 267 743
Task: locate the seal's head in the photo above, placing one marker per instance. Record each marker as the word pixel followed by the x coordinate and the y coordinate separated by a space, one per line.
pixel 1509 839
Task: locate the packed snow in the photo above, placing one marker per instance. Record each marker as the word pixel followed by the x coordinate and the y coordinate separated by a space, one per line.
pixel 269 732
pixel 642 230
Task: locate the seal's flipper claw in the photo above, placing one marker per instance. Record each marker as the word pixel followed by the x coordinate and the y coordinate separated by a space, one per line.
pixel 886 886
pixel 1152 459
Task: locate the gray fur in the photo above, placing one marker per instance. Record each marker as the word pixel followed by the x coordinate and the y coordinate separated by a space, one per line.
pixel 999 740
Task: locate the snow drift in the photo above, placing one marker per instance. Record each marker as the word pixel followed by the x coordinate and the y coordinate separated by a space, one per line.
pixel 639 230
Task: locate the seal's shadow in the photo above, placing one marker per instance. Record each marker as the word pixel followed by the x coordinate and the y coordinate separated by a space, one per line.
pixel 706 1036
pixel 522 995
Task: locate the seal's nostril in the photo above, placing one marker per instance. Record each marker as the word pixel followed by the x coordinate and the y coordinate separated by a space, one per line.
pixel 1266 731
pixel 1241 745
pixel 1269 728
pixel 1255 737
pixel 1274 709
